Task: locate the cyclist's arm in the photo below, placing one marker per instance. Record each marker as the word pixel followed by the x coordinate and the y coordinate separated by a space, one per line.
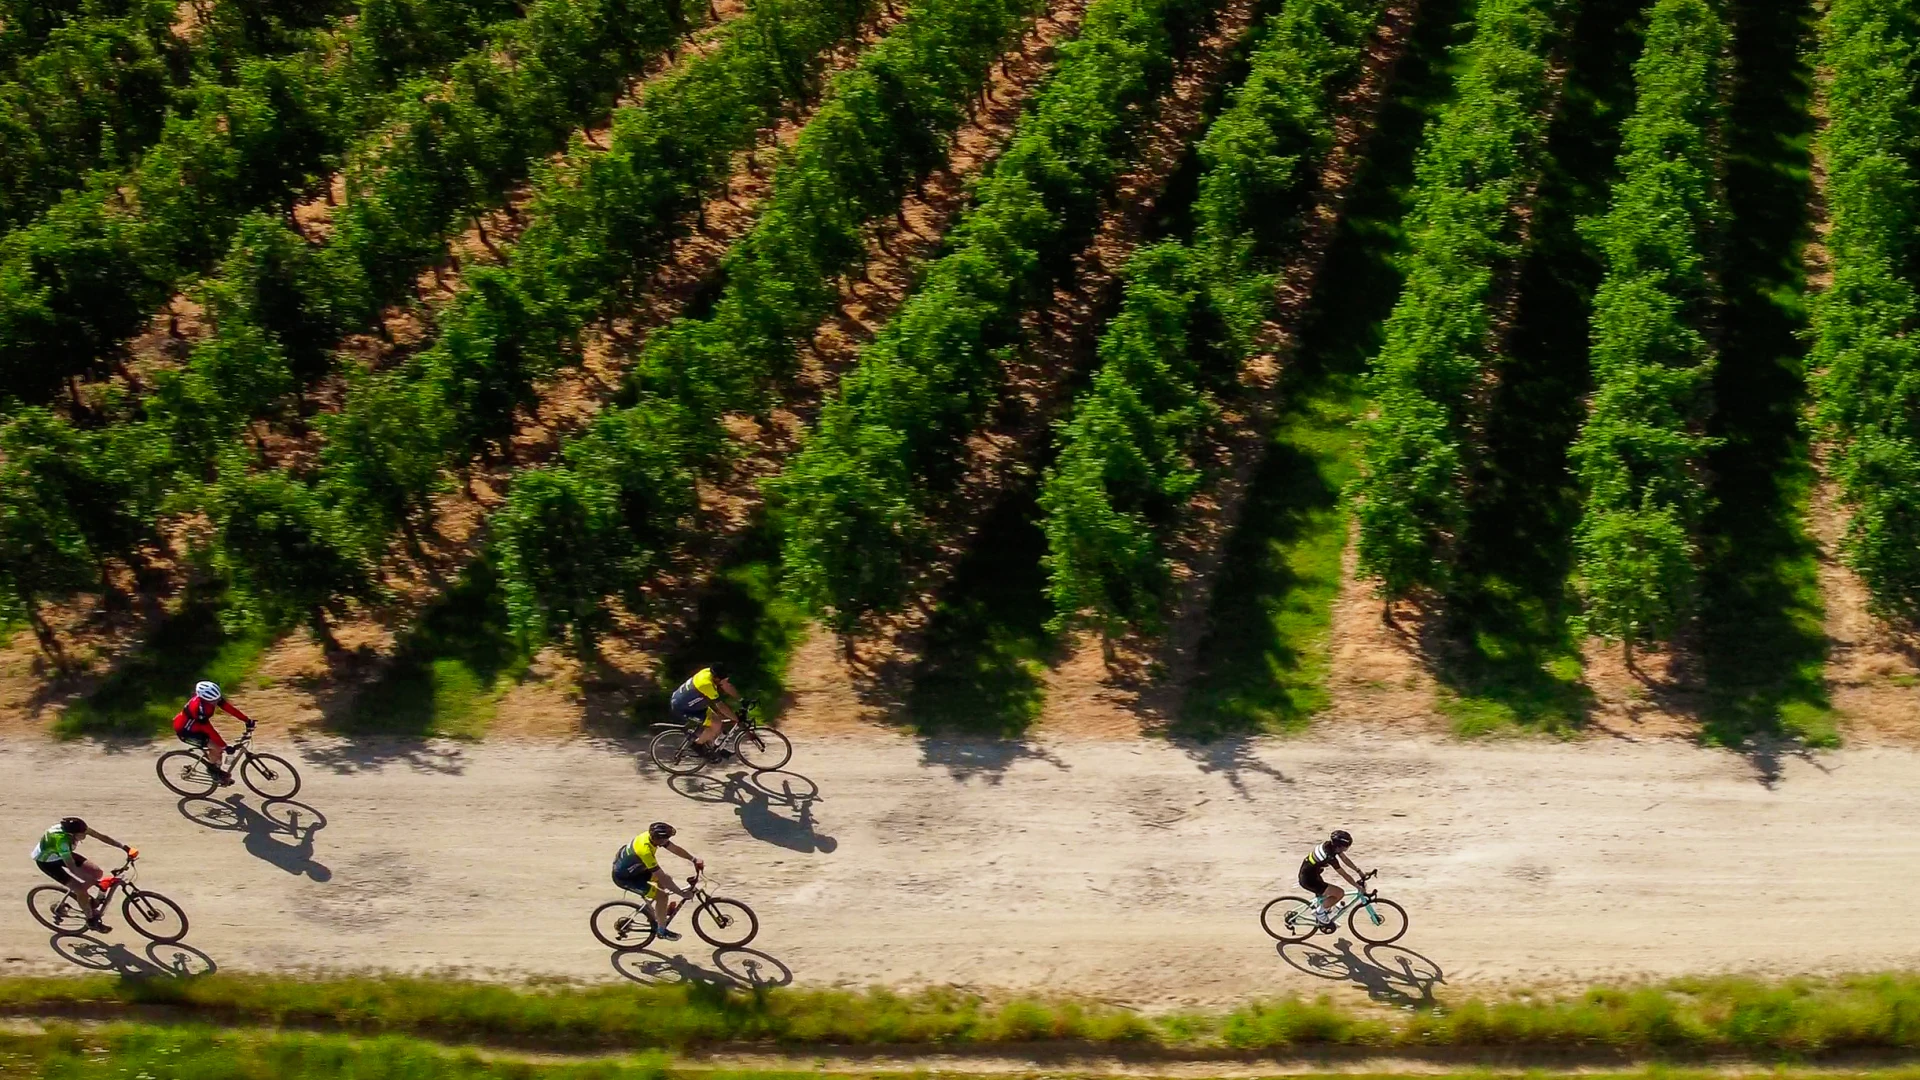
pixel 685 854
pixel 229 708
pixel 105 839
pixel 1353 879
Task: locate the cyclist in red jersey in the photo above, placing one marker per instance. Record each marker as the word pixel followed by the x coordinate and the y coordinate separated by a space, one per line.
pixel 194 726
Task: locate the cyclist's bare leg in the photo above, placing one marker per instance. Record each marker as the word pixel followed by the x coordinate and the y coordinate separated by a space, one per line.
pixel 83 876
pixel 1331 898
pixel 709 731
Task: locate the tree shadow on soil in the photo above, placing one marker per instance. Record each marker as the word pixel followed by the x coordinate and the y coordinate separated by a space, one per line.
pixel 147 687
pixel 983 665
pixel 740 619
pixel 1262 661
pixel 447 674
pixel 1763 641
pixel 1510 654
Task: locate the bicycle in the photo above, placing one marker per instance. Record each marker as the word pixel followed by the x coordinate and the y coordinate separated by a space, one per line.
pixel 624 926
pixel 187 772
pixel 1290 918
pixel 760 748
pixel 151 915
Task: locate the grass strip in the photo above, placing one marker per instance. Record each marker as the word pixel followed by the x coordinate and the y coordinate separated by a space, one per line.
pixel 1800 1018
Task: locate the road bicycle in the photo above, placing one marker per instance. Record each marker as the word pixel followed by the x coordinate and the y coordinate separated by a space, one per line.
pixel 151 915
pixel 760 748
pixel 1374 920
pixel 722 922
pixel 186 772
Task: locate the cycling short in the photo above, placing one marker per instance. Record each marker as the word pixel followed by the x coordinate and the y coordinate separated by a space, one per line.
pixel 690 707
pixel 1312 881
pixel 638 878
pixel 58 871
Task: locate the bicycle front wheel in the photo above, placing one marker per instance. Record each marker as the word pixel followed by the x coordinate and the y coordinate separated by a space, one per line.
pixel 673 751
pixel 270 776
pixel 622 926
pixel 1378 921
pixel 1289 918
pixel 185 772
pixel 763 749
pixel 154 917
pixel 724 923
pixel 57 910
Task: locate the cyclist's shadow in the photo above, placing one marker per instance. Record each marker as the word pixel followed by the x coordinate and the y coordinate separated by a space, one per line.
pixel 267 829
pixel 733 969
pixel 1388 973
pixel 156 960
pixel 754 799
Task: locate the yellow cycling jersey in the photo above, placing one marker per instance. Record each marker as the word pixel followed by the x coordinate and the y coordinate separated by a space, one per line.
pixel 705 684
pixel 643 851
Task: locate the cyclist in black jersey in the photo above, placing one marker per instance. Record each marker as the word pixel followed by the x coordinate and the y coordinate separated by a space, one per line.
pixel 1332 852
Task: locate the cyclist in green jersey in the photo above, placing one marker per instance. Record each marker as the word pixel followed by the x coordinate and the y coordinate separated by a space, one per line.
pixel 55 857
pixel 637 867
pixel 698 700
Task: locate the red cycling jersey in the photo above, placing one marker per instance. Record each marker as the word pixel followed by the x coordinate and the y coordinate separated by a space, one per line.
pixel 197 715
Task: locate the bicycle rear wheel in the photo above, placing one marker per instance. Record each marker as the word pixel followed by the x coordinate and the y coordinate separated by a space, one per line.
pixel 673 751
pixel 724 923
pixel 154 917
pixel 1288 918
pixel 270 776
pixel 1378 921
pixel 57 910
pixel 622 926
pixel 185 772
pixel 763 749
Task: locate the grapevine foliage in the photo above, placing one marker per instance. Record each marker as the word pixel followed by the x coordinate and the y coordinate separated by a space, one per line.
pixel 1123 468
pixel 1480 160
pixel 1639 456
pixel 1867 389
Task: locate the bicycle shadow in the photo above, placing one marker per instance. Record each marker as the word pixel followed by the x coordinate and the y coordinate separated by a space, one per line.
pixel 754 799
pixel 1392 974
pixel 171 961
pixel 733 969
pixel 264 829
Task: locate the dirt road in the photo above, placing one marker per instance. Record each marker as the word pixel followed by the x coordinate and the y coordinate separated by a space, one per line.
pixel 1130 870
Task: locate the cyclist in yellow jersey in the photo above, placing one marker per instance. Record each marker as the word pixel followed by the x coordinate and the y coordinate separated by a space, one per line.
pixel 637 867
pixel 699 700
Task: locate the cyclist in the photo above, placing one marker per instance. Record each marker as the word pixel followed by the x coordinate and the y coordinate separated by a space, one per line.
pixel 699 699
pixel 194 726
pixel 1333 852
pixel 637 867
pixel 55 857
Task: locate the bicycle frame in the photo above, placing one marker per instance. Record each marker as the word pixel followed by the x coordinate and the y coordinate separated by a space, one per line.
pixel 1357 897
pixel 694 896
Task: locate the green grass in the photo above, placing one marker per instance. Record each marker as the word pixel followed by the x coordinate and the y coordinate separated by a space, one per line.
pixel 144 692
pixel 1682 1019
pixel 1265 666
pixel 161 1053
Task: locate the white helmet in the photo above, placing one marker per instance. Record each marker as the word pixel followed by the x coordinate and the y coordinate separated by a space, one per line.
pixel 207 691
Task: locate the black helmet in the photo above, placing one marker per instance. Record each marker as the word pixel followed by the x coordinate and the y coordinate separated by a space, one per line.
pixel 72 826
pixel 721 672
pixel 660 830
pixel 1341 839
